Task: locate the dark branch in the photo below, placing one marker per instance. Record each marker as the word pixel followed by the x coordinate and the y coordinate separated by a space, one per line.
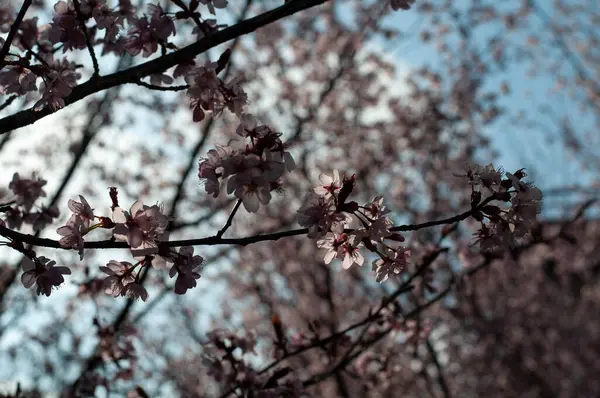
pixel 88 41
pixel 29 116
pixel 13 31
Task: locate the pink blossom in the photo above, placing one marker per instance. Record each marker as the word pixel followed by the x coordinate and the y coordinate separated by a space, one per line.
pixel 186 266
pixel 146 35
pixel 40 219
pixel 42 271
pixel 17 80
pixel 135 291
pixel 141 227
pixel 342 247
pixel 316 214
pixel 393 261
pixel 82 209
pixel 58 84
pixel 252 187
pixel 330 184
pixel 28 32
pixel 120 274
pixel 73 233
pixel 27 191
pixel 65 27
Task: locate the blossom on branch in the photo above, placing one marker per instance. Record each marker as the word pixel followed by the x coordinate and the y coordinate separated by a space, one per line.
pixel 72 234
pixel 27 191
pixel 252 172
pixel 41 271
pixel 392 262
pixel 141 227
pixel 187 267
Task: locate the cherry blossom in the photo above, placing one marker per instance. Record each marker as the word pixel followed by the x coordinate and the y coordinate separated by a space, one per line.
pixel 120 274
pixel 330 184
pixel 72 234
pixel 27 191
pixel 187 266
pixel 65 27
pixel 392 261
pixel 146 35
pixel 82 210
pixel 141 227
pixel 42 271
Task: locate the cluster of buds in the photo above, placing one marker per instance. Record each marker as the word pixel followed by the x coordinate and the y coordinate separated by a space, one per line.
pixel 253 172
pixel 502 226
pixel 327 214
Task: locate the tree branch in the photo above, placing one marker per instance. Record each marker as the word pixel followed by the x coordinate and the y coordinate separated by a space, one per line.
pixel 29 116
pixel 13 31
pixel 88 41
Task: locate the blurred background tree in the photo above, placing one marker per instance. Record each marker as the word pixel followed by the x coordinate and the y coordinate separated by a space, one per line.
pixel 406 101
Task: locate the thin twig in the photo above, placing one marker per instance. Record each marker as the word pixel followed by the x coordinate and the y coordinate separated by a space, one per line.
pixel 88 41
pixel 229 219
pixel 9 101
pixel 13 31
pixel 440 371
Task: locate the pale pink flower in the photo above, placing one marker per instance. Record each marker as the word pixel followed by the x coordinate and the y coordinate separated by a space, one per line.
pixel 40 219
pixel 27 191
pixel 211 168
pixel 351 254
pixel 82 209
pixel 141 227
pixel 135 291
pixel 334 246
pixel 251 187
pixel 187 267
pixel 119 275
pixel 72 234
pixel 316 214
pixel 65 28
pixel 330 184
pixel 392 262
pixel 247 125
pixel 42 271
pixel 17 80
pixel 236 96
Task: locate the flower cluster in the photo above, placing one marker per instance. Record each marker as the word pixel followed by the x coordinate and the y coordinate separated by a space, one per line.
pixel 41 271
pixel 208 93
pixel 65 27
pixel 253 172
pixel 327 214
pixel 77 226
pixel 142 227
pixel 58 82
pixel 501 227
pixel 18 205
pixel 122 281
pixel 146 34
